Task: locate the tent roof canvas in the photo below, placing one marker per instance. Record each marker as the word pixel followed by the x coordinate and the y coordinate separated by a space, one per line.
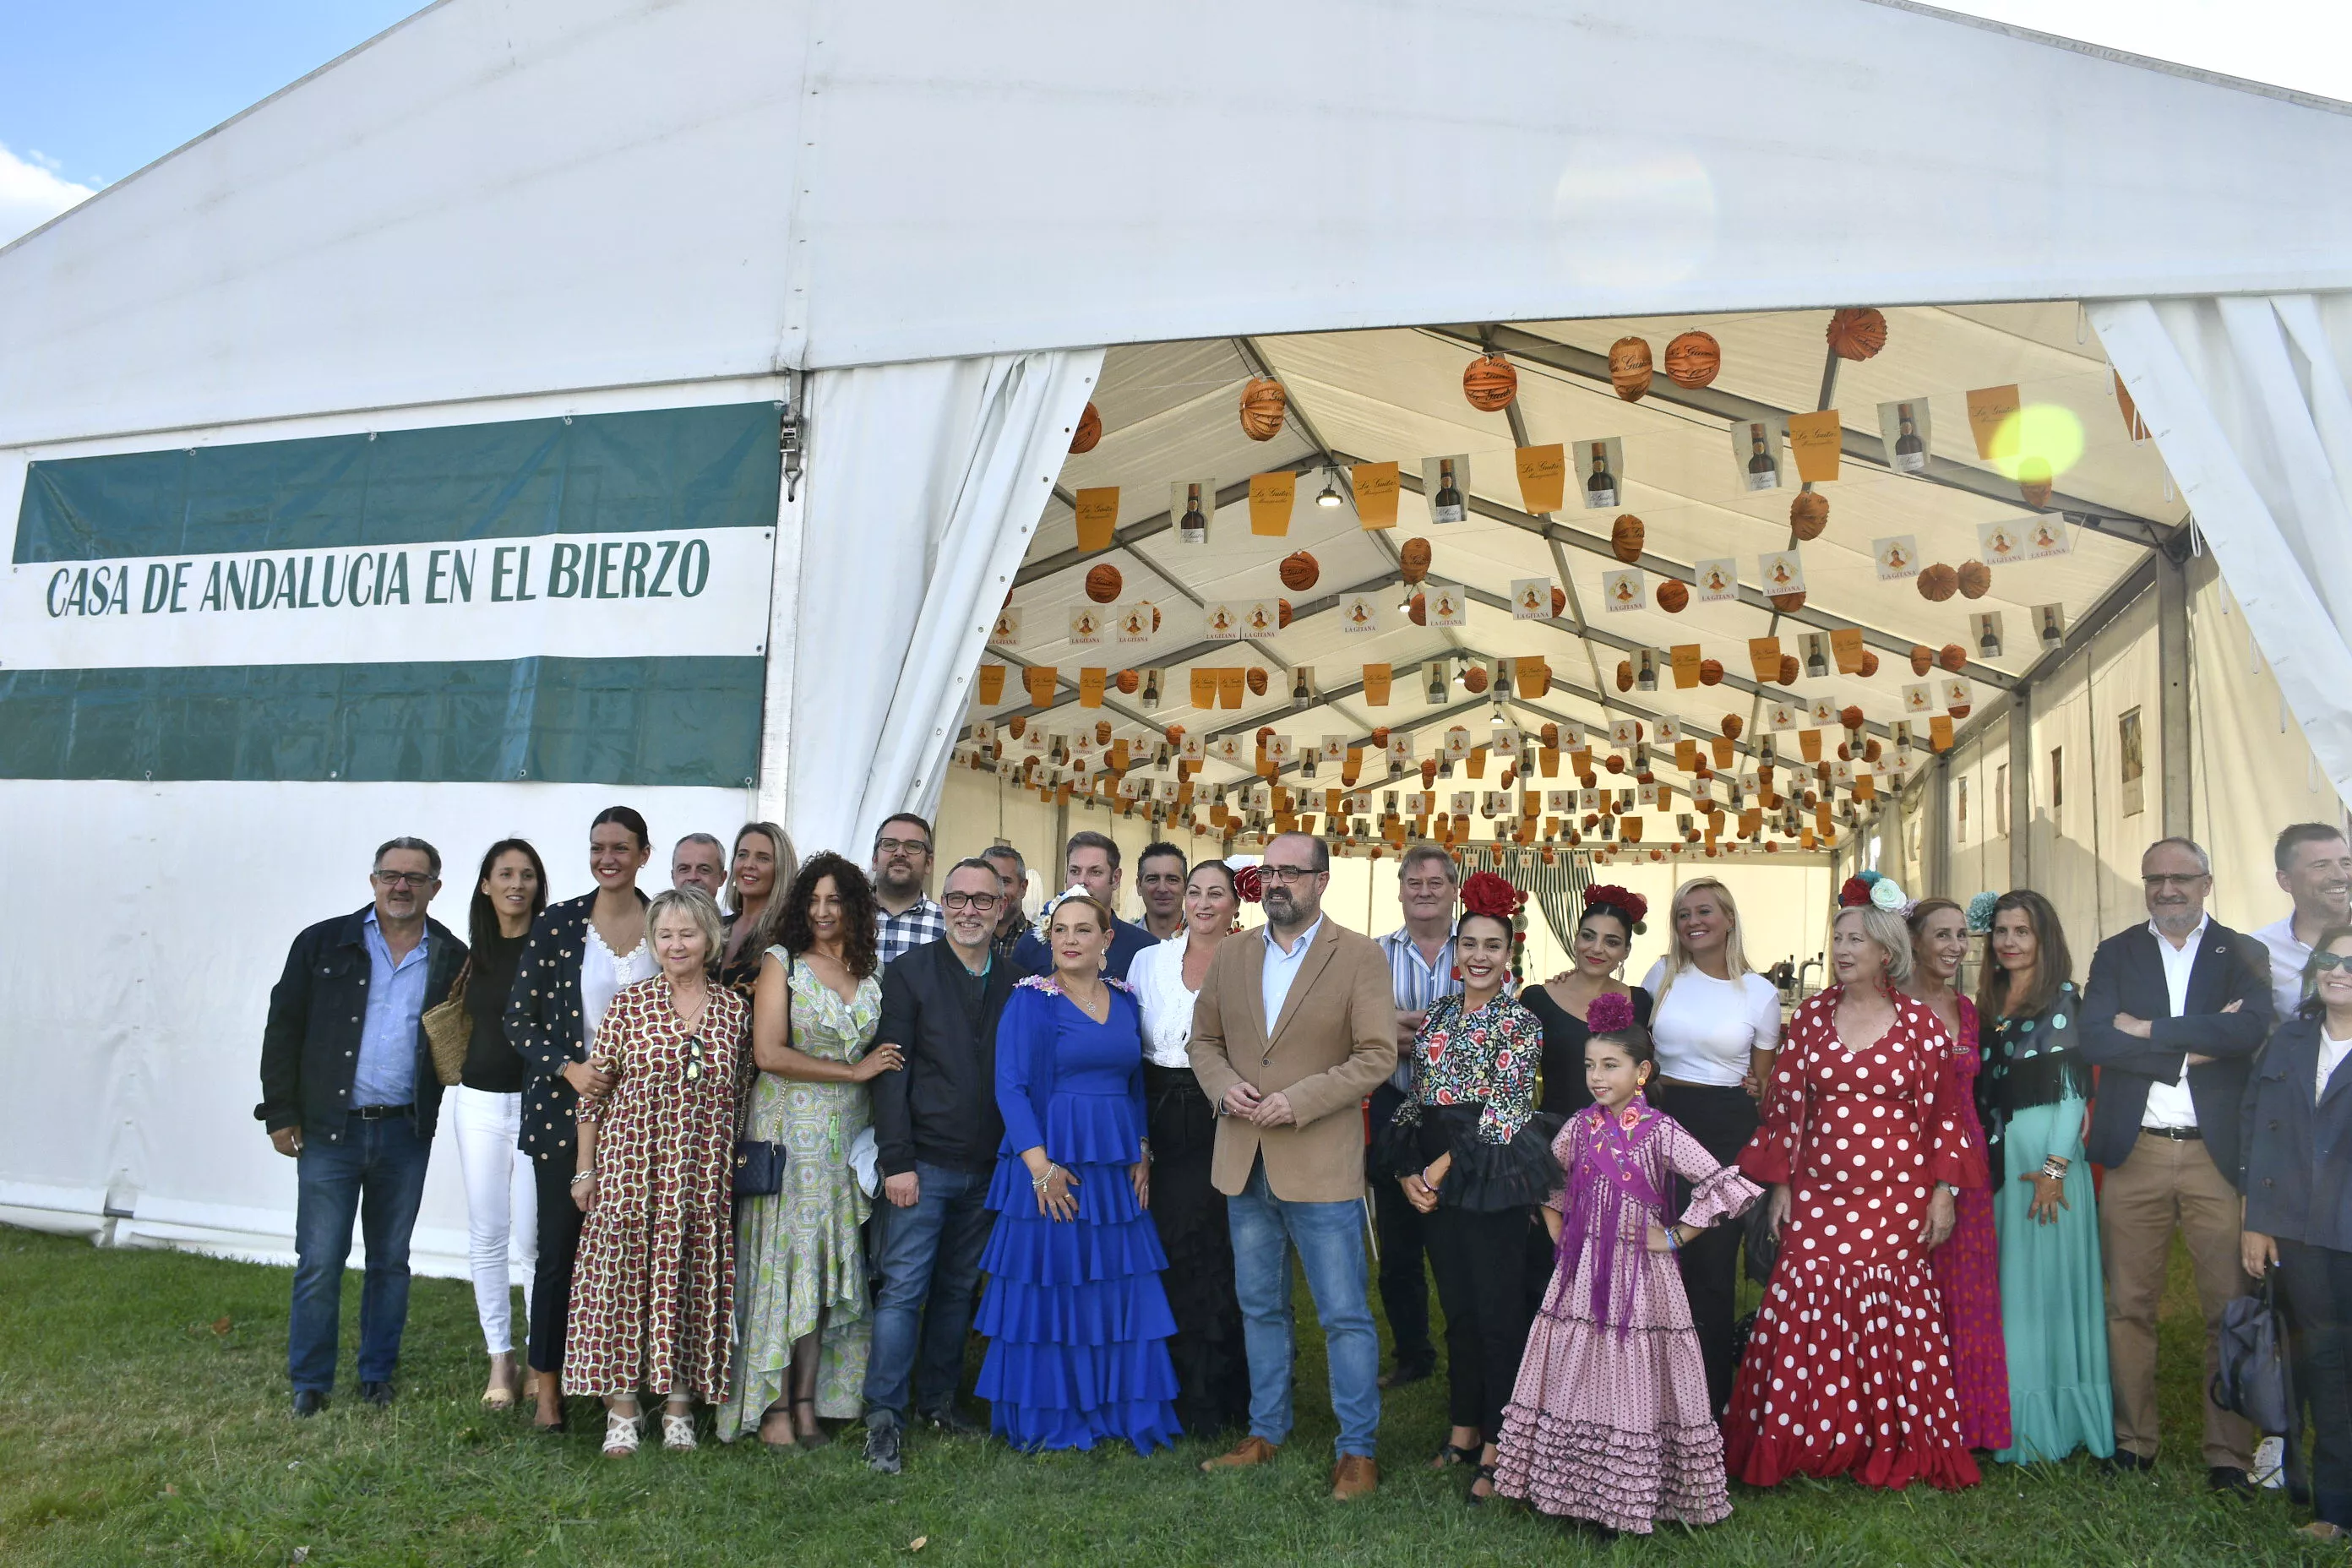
pixel 494 199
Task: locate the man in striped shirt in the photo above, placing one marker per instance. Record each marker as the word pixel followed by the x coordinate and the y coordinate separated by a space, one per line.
pixel 1420 969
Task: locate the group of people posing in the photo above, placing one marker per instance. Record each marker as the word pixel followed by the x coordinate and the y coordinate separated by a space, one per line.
pixel 780 1160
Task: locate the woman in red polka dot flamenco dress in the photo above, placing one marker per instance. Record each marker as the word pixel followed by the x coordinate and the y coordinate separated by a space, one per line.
pixel 1848 1370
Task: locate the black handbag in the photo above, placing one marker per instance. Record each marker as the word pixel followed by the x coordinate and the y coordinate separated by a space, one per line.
pixel 760 1164
pixel 2254 1379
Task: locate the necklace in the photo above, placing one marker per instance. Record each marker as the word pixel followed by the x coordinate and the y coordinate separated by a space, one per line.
pixel 693 1020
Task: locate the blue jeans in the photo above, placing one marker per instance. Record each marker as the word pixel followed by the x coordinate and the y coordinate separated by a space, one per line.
pixel 930 1256
pixel 377 1175
pixel 1330 1242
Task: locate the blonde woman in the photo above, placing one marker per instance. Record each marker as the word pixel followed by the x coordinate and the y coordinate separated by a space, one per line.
pixel 1715 1025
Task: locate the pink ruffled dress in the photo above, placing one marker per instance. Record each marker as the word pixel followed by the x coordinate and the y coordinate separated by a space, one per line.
pixel 1609 1419
pixel 1968 1270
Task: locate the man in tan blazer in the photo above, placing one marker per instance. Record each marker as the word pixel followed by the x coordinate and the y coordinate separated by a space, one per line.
pixel 1294 1027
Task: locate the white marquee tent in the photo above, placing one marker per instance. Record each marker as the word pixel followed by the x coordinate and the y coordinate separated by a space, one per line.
pixel 922 238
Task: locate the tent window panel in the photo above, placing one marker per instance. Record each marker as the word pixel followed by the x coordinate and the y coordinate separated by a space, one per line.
pixel 2132 761
pixel 2057 777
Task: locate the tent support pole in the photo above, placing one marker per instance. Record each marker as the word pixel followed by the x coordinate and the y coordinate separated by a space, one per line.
pixel 2021 787
pixel 1937 848
pixel 2172 695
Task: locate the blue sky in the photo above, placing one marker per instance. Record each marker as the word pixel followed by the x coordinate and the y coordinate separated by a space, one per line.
pixel 92 90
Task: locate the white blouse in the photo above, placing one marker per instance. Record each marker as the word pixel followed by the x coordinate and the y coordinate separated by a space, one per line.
pixel 1705 1027
pixel 1157 977
pixel 604 973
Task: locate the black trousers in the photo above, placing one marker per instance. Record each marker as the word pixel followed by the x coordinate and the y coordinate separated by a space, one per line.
pixel 1723 1120
pixel 2317 1284
pixel 1480 1262
pixel 558 1246
pixel 1404 1287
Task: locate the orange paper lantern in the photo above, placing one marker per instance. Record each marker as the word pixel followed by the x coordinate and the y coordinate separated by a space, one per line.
pixel 1088 433
pixel 1281 614
pixel 1558 602
pixel 1789 603
pixel 1693 360
pixel 1412 560
pixel 1851 717
pixel 1256 679
pixel 1732 726
pixel 1869 664
pixel 1490 383
pixel 1809 514
pixel 1629 368
pixel 1625 536
pixel 1102 731
pixel 1103 583
pixel 1128 682
pixel 1938 583
pixel 1299 571
pixel 1473 679
pixel 1710 672
pixel 1922 658
pixel 1625 674
pixel 1264 404
pixel 1975 579
pixel 1381 737
pixel 1954 659
pixel 1672 595
pixel 1857 335
pixel 1419 609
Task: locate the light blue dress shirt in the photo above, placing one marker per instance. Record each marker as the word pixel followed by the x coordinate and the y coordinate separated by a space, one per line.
pixel 1281 969
pixel 387 1069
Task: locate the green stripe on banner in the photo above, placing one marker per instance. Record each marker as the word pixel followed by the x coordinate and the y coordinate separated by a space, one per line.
pixel 663 470
pixel 567 721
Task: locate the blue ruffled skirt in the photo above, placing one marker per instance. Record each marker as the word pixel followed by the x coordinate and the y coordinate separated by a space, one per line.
pixel 1076 1320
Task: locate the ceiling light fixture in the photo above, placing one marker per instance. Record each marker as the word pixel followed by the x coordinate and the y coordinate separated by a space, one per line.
pixel 1330 495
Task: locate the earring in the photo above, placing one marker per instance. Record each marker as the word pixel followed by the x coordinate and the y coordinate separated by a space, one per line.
pixel 1457 975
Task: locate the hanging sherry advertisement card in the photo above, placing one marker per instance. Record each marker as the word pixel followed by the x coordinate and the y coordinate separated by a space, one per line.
pixel 1543 476
pixel 1897 555
pixel 1194 505
pixel 1624 589
pixel 1756 449
pixel 1271 497
pixel 1903 429
pixel 1445 485
pixel 1815 442
pixel 1097 517
pixel 1716 579
pixel 1602 468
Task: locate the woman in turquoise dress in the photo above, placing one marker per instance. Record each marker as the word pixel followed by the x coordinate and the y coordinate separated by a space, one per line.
pixel 2034 1094
pixel 800 1269
pixel 1076 1320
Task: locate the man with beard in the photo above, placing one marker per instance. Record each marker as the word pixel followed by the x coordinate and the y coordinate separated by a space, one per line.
pixel 1293 1028
pixel 2314 870
pixel 905 917
pixel 1090 861
pixel 1012 919
pixel 2172 1017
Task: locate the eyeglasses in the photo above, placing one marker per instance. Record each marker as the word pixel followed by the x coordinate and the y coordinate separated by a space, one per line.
pixel 983 902
pixel 2174 878
pixel 901 846
pixel 2324 961
pixel 1284 876
pixel 407 878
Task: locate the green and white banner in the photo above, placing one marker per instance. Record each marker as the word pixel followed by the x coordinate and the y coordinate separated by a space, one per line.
pixel 569 600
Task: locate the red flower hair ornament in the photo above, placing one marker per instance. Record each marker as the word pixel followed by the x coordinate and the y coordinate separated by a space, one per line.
pixel 1488 894
pixel 1607 1013
pixel 1625 901
pixel 1854 894
pixel 1248 885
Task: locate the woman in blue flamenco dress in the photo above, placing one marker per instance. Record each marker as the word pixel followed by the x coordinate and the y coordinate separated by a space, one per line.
pixel 1076 1320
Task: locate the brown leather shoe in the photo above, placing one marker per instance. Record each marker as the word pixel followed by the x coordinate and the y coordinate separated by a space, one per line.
pixel 1354 1477
pixel 1251 1450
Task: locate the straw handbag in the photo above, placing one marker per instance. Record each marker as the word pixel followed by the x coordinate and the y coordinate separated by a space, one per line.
pixel 449 1029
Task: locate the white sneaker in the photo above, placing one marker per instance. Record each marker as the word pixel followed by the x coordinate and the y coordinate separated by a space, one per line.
pixel 2270 1463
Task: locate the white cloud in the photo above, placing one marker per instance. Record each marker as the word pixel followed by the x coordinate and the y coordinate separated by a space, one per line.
pixel 31 195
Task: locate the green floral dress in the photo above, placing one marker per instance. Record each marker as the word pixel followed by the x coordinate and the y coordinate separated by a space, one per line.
pixel 798 1255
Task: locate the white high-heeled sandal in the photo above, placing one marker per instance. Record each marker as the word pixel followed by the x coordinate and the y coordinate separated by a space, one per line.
pixel 621 1433
pixel 677 1432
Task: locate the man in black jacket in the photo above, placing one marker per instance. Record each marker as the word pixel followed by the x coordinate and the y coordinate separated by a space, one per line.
pixel 348 1091
pixel 2173 1014
pixel 936 1130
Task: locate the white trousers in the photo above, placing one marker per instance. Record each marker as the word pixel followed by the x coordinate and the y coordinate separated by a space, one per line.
pixel 501 1207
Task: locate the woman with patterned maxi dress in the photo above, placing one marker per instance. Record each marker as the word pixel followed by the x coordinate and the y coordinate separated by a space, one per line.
pixel 653 1291
pixel 1848 1370
pixel 1967 1266
pixel 800 1261
pixel 1076 1321
pixel 1610 1419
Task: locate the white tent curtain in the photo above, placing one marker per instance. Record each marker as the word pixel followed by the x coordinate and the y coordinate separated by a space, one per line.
pixel 926 482
pixel 2247 398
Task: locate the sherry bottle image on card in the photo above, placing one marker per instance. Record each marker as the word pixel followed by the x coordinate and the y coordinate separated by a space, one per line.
pixel 1447 505
pixel 1763 473
pixel 1193 527
pixel 1600 489
pixel 1910 452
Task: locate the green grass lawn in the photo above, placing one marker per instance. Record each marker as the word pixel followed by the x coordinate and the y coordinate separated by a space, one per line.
pixel 143 1416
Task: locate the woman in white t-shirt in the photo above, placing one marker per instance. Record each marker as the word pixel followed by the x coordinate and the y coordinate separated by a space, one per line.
pixel 1715 1025
pixel 1212 1370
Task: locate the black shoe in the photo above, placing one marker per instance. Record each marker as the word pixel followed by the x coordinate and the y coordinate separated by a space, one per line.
pixel 2123 1462
pixel 377 1393
pixel 310 1401
pixel 882 1447
pixel 1406 1372
pixel 954 1423
pixel 2231 1479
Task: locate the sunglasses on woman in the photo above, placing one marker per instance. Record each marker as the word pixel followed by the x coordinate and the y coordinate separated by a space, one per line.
pixel 2324 961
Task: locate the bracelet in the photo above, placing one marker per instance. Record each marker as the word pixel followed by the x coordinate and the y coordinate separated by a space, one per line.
pixel 1673 1242
pixel 2054 1168
pixel 1425 1181
pixel 587 1175
pixel 1039 1184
